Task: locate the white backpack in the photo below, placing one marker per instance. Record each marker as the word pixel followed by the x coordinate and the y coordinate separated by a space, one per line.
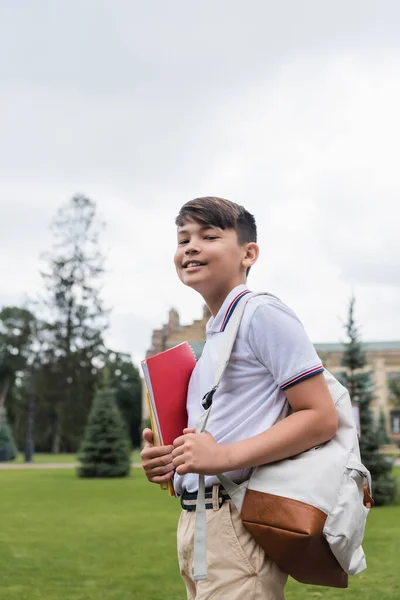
pixel 307 512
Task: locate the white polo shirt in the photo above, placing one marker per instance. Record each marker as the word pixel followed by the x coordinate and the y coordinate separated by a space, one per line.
pixel 271 353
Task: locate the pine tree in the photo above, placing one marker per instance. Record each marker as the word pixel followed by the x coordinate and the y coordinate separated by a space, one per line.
pixel 383 437
pixel 8 450
pixel 74 322
pixel 126 380
pixel 359 383
pixel 105 450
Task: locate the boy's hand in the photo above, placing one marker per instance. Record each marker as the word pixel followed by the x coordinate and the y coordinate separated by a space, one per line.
pixel 199 453
pixel 156 460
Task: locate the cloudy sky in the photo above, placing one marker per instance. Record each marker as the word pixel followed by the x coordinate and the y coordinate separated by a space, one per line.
pixel 290 108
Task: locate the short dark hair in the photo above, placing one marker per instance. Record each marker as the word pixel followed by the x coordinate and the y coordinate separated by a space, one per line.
pixel 218 212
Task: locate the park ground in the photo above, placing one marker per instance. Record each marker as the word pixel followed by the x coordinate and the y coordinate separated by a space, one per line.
pixel 64 538
pixel 54 459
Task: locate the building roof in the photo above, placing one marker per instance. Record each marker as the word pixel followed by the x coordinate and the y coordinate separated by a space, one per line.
pixel 197 347
pixel 367 346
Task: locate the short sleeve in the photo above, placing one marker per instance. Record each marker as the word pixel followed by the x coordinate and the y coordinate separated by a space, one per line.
pixel 280 342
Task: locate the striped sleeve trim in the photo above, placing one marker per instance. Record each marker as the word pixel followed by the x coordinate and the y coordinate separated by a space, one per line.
pixel 302 376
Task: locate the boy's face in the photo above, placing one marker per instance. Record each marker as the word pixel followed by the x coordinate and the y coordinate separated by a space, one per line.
pixel 211 260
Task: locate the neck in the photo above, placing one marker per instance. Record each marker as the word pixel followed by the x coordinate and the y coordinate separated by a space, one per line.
pixel 215 300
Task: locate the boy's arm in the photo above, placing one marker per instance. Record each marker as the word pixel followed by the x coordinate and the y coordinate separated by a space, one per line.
pixel 156 460
pixel 313 422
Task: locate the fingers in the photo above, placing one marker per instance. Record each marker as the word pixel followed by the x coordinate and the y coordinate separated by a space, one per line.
pixel 160 470
pixel 181 457
pixel 165 471
pixel 177 451
pixel 178 461
pixel 163 478
pixel 182 470
pixel 157 463
pixel 182 439
pixel 150 452
pixel 148 439
pixel 181 463
pixel 160 460
pixel 158 474
pixel 178 441
pixel 197 453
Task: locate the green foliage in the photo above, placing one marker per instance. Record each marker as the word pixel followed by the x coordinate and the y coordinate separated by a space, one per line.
pixel 16 332
pixel 8 449
pixel 105 450
pixel 75 320
pixel 394 389
pixel 383 437
pixel 17 327
pixel 125 378
pixel 360 386
pixel 58 355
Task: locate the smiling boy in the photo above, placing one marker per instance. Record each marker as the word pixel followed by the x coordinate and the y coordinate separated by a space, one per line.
pixel 272 361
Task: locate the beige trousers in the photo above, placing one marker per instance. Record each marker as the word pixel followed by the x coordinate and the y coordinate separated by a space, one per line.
pixel 238 568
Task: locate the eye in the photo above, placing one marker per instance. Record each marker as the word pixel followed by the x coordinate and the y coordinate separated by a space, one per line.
pixel 211 237
pixel 182 242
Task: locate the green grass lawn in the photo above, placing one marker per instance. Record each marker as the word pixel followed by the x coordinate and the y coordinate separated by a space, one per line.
pixel 63 458
pixel 48 458
pixel 62 538
pixel 136 456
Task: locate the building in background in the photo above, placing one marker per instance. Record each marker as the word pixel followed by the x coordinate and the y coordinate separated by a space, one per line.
pixel 383 358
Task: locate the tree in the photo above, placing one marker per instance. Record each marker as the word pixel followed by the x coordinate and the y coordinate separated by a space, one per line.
pixel 17 327
pixel 105 450
pixel 359 383
pixel 125 378
pixel 8 450
pixel 394 389
pixel 383 437
pixel 74 322
pixel 17 336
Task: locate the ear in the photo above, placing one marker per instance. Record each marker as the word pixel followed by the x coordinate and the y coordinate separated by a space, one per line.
pixel 252 252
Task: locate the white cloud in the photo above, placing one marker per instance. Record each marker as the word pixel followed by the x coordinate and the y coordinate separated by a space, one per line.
pixel 295 118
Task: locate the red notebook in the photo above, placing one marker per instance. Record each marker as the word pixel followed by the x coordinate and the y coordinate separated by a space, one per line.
pixel 167 378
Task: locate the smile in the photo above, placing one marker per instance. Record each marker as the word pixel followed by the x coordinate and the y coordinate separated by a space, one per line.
pixel 192 264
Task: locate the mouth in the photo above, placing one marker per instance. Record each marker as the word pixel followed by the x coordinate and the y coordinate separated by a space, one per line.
pixel 192 264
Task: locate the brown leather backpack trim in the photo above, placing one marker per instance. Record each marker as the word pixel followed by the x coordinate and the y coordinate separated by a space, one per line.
pixel 290 533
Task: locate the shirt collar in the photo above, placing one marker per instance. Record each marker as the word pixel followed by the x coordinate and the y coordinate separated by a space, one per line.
pixel 218 323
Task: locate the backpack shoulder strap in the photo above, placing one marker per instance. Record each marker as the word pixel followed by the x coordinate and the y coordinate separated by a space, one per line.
pixel 231 332
pixel 200 539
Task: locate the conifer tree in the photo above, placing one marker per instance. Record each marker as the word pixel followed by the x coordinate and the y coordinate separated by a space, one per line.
pixel 74 322
pixel 382 431
pixel 105 450
pixel 359 383
pixel 8 450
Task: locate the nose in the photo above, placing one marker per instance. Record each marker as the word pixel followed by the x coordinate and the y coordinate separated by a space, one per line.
pixel 191 248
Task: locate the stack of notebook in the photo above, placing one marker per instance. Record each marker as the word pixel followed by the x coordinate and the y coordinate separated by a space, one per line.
pixel 167 378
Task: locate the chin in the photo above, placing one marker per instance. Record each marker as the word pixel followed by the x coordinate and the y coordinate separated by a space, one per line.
pixel 196 284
